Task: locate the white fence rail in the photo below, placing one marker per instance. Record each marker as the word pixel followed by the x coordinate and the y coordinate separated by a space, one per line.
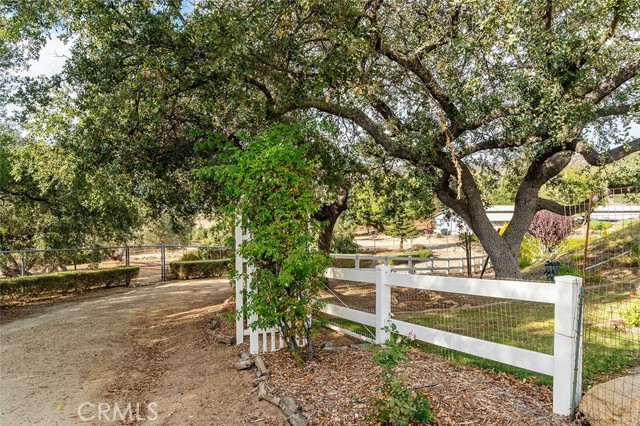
pixel 419 264
pixel 565 363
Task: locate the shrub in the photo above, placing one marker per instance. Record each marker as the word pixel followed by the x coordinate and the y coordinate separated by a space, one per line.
pixel 343 243
pixel 351 263
pixel 599 225
pixel 529 251
pixel 631 311
pixel 204 253
pixel 184 270
pixel 421 253
pixel 418 247
pixel 397 404
pixel 273 179
pixel 35 286
pixel 550 228
pixel 343 238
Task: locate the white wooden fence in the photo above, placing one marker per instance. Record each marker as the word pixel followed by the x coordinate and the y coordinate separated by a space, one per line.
pixel 418 264
pixel 565 365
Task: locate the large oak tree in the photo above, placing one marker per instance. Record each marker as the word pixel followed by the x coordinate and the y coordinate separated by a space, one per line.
pixel 451 88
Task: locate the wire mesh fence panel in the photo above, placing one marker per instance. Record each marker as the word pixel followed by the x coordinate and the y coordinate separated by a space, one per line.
pixel 353 295
pixel 525 325
pixel 607 256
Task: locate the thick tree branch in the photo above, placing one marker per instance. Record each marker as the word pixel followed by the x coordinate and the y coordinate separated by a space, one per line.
pixel 358 117
pixel 492 116
pixel 582 207
pixel 267 93
pixel 27 196
pixel 610 110
pixel 624 74
pixel 600 159
pixel 448 197
pixel 414 65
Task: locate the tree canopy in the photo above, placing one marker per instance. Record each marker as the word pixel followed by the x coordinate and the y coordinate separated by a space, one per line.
pixel 456 90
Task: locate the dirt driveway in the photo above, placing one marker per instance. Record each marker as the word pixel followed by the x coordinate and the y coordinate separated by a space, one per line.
pixel 72 362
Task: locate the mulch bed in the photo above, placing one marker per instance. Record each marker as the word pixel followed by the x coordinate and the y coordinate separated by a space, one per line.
pixel 338 388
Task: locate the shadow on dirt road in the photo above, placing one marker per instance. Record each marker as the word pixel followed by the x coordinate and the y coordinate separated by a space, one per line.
pixel 61 363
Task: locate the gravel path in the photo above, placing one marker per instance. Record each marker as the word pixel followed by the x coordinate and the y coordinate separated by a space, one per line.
pixel 142 346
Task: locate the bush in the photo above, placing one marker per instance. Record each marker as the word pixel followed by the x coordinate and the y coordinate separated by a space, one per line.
pixel 184 270
pixel 35 286
pixel 529 251
pixel 631 311
pixel 205 253
pixel 351 263
pixel 599 225
pixel 550 228
pixel 395 403
pixel 343 243
pixel 421 253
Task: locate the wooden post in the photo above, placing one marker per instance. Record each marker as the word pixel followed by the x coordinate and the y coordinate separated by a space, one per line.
pixel 567 352
pixel 383 303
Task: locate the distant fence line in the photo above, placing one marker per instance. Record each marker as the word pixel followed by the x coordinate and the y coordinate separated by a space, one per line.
pixel 431 264
pixel 124 255
pixel 410 264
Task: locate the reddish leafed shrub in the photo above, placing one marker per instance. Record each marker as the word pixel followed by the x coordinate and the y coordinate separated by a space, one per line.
pixel 550 228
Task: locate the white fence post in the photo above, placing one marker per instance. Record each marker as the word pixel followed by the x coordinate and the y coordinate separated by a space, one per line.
pixel 254 334
pixel 239 284
pixel 566 353
pixel 383 303
pixel 357 261
pixel 410 265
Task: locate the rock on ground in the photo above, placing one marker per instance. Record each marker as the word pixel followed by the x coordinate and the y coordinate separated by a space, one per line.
pixel 613 403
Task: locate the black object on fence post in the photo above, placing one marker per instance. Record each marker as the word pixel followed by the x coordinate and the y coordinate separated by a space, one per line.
pixel 551 269
pixel 22 268
pixel 163 263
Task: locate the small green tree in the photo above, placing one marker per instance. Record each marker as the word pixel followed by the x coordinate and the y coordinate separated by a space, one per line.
pixel 272 179
pixel 403 227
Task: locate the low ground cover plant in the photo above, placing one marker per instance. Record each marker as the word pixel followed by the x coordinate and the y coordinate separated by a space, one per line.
pixel 396 403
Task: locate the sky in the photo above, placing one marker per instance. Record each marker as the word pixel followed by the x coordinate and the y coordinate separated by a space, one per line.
pixel 52 58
